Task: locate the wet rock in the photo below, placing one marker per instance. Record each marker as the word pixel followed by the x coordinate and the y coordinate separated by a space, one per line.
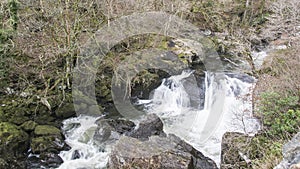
pixel 150 126
pixel 109 130
pixel 119 125
pixel 13 144
pixel 43 130
pixel 147 146
pixel 29 125
pixel 46 143
pixel 76 155
pixel 157 152
pixel 122 126
pixel 291 154
pixel 52 160
pixel 199 160
pixel 12 139
pixel 112 129
pixel 48 138
pixel 44 160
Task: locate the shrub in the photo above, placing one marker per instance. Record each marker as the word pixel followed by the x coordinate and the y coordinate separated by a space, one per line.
pixel 8 26
pixel 281 115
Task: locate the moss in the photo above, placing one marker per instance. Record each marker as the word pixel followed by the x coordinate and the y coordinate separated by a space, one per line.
pixel 43 130
pixel 29 125
pixel 66 111
pixel 18 120
pixel 45 119
pixel 104 91
pixel 46 143
pixel 12 139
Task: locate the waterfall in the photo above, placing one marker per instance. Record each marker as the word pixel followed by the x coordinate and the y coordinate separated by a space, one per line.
pixel 227 108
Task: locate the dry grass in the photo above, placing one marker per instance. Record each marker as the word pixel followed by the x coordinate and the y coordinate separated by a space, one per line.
pixel 284 22
pixel 280 73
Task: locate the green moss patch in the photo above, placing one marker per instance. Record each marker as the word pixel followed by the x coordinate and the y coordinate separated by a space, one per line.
pixel 44 130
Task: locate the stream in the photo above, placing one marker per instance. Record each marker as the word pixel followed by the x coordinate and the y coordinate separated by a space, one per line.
pixel 226 107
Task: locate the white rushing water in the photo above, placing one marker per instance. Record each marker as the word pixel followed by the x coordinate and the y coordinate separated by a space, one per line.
pixel 79 134
pixel 227 107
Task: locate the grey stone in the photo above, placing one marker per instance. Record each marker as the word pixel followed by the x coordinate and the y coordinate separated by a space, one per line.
pixel 291 153
pixel 150 126
pixel 157 152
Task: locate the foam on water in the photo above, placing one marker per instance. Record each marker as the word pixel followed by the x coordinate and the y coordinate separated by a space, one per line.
pixel 204 128
pixel 227 108
pixel 79 134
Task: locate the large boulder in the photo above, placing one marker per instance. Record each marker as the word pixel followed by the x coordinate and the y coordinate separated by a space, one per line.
pixel 199 160
pixel 110 130
pixel 47 142
pixel 291 154
pixel 46 138
pixel 157 152
pixel 150 126
pixel 147 146
pixel 44 130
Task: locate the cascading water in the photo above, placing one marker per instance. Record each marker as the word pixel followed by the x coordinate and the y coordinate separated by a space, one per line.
pixel 84 152
pixel 227 108
pixel 204 128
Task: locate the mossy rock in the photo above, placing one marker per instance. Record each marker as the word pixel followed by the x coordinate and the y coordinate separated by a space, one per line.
pixel 45 119
pixel 45 130
pixel 29 125
pixel 18 120
pixel 14 114
pixel 65 111
pixel 46 143
pixel 12 139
